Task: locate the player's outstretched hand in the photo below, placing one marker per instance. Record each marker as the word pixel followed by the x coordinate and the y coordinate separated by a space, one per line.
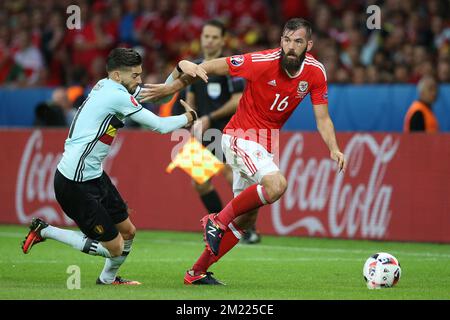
pixel 192 69
pixel 154 92
pixel 340 159
pixel 200 126
pixel 190 112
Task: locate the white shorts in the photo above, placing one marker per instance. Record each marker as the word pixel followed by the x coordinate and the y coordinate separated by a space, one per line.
pixel 249 160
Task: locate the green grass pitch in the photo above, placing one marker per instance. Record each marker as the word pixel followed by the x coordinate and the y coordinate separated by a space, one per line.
pixel 278 268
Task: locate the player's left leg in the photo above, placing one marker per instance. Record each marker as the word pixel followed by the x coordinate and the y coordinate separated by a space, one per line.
pixel 118 211
pixel 269 189
pixel 198 274
pixel 112 265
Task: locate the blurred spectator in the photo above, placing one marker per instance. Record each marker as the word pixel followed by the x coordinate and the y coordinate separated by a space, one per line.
pixel 127 28
pixel 61 99
pixel 372 75
pixel 358 75
pixel 401 73
pixel 27 58
pixel 57 112
pixel 182 32
pixel 420 117
pixel 94 40
pixel 52 48
pixel 443 70
pixel 74 93
pixel 36 48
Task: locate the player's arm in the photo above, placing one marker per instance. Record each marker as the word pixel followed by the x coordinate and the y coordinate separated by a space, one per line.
pixel 326 129
pixel 165 124
pixel 226 110
pixel 190 99
pixel 183 77
pixel 189 67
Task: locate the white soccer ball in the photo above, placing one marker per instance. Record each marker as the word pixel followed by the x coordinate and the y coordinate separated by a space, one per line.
pixel 382 270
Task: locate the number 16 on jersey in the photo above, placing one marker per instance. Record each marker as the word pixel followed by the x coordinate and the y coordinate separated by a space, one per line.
pixel 282 105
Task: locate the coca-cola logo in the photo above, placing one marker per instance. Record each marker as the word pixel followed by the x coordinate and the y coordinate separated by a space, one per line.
pixel 35 196
pixel 361 204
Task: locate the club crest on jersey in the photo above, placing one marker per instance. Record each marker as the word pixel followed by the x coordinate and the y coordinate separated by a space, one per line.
pixel 237 60
pixel 258 154
pixel 302 86
pixel 133 101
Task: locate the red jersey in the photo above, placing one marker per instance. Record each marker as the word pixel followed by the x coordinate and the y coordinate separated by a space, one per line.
pixel 270 95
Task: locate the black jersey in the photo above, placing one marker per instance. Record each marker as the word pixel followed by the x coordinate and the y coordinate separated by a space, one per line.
pixel 214 94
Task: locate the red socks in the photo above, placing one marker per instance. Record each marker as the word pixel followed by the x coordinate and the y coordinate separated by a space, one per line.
pixel 229 240
pixel 251 198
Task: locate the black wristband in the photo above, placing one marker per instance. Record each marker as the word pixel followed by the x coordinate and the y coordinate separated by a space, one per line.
pixel 178 68
pixel 194 115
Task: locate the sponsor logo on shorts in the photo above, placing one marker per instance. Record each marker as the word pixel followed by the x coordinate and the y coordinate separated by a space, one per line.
pixel 98 229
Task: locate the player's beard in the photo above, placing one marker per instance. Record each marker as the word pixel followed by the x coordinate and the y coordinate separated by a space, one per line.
pixel 292 65
pixel 128 87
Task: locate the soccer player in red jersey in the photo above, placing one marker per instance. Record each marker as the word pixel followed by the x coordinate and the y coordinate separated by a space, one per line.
pixel 277 81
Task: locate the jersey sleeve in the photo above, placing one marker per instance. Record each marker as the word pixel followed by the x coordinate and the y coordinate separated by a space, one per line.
pixel 137 91
pixel 125 103
pixel 319 89
pixel 159 124
pixel 241 66
pixel 237 84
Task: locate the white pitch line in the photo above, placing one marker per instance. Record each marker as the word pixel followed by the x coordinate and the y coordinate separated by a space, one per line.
pixel 307 249
pixel 189 260
pixel 271 247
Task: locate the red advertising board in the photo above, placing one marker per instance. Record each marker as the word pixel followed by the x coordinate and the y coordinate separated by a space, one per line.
pixel 396 187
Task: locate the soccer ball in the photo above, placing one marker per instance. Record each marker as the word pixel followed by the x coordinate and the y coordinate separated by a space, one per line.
pixel 382 270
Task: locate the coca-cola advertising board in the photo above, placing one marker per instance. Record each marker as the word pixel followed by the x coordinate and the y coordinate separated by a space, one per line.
pixel 396 186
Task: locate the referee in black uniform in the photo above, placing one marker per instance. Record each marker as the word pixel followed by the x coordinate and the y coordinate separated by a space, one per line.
pixel 216 102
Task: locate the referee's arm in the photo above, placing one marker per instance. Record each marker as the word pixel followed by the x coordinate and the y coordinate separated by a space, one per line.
pixel 228 108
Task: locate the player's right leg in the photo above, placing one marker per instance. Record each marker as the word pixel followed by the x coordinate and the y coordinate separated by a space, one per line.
pixel 80 201
pixel 251 160
pixel 34 235
pixel 40 231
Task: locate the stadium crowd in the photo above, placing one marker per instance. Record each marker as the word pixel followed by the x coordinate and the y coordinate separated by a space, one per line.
pixel 37 48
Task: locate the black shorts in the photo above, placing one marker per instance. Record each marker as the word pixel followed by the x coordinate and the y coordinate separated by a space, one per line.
pixel 95 205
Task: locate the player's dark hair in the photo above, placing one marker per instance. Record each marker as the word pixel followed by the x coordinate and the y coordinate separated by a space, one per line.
pixel 218 24
pixel 120 58
pixel 298 23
